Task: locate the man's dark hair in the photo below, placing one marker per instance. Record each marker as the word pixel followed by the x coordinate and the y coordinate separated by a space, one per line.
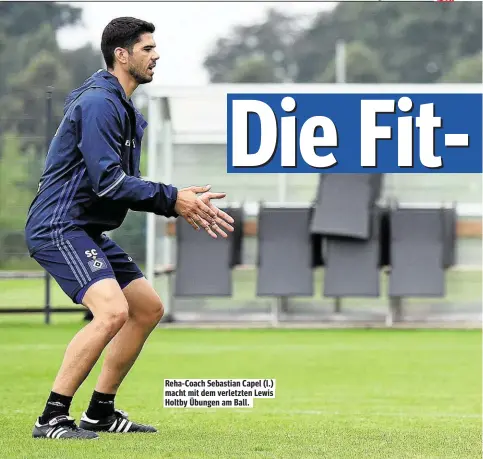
pixel 122 32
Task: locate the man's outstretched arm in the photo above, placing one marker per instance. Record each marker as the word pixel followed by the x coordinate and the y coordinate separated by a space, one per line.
pixel 100 140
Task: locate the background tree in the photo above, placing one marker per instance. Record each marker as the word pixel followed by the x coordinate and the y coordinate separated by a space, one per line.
pixel 259 50
pixel 27 28
pixel 81 62
pixel 30 61
pixel 416 43
pixel 465 70
pixel 363 65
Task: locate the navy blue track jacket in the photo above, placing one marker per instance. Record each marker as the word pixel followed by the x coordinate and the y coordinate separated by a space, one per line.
pixel 91 177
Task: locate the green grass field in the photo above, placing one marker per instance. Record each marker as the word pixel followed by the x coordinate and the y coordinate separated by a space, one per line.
pixel 462 286
pixel 340 393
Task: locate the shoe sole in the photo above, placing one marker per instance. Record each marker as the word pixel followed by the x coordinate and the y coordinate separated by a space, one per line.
pixel 107 432
pixel 90 429
pixel 71 438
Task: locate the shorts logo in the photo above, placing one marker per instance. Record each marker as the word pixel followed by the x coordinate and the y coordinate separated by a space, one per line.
pixel 97 265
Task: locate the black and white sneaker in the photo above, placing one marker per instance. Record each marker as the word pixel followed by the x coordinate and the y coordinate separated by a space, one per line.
pixel 116 423
pixel 62 427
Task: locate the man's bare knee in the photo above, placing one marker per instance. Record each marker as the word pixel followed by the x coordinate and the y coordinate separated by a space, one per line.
pixel 157 311
pixel 108 305
pixel 113 319
pixel 151 314
pixel 145 306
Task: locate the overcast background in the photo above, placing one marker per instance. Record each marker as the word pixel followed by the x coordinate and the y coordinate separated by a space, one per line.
pixel 176 24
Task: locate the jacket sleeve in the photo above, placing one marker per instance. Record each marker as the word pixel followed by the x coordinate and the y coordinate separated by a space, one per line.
pixel 100 140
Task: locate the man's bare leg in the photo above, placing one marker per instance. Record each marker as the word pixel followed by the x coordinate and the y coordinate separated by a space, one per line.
pixel 110 310
pixel 145 312
pixel 109 307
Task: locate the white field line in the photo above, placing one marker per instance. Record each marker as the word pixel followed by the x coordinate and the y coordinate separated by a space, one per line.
pixel 329 413
pixel 198 348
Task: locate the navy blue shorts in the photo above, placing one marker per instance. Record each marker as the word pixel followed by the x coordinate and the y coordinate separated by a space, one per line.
pixel 78 261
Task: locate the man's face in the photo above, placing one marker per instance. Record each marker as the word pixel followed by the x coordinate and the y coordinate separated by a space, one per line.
pixel 142 60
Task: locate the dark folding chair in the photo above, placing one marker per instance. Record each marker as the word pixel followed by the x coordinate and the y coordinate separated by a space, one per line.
pixel 384 238
pixel 284 252
pixel 317 245
pixel 352 266
pixel 417 252
pixel 203 264
pixel 450 220
pixel 344 203
pixel 237 236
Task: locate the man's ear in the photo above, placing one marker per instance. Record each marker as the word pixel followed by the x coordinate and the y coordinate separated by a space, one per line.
pixel 121 55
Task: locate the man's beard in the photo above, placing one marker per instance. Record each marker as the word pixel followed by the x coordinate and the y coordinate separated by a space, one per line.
pixel 138 76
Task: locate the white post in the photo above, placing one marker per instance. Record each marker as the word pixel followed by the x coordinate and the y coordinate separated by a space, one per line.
pixel 150 217
pixel 167 151
pixel 282 188
pixel 340 78
pixel 167 164
pixel 340 62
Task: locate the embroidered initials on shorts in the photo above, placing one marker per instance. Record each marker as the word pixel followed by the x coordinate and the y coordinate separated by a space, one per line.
pixel 96 264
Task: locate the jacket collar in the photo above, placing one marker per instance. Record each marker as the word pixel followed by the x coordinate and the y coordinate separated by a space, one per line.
pixel 114 82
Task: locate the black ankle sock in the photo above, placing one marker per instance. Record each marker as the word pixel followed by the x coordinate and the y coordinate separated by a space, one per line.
pixel 56 405
pixel 101 406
